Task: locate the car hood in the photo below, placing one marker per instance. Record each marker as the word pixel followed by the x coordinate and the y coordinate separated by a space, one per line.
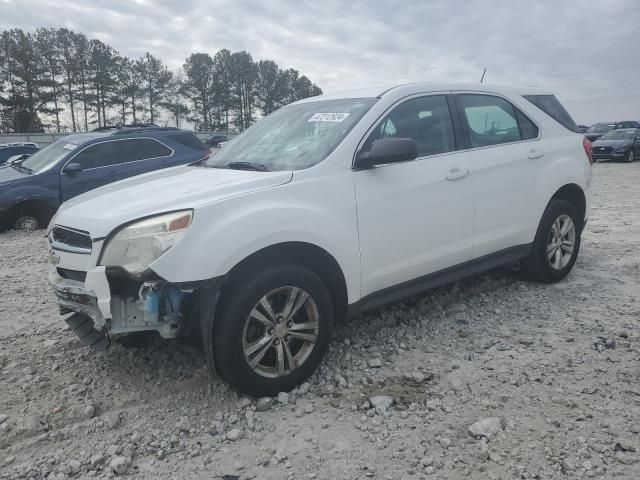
pixel 106 208
pixel 610 143
pixel 10 175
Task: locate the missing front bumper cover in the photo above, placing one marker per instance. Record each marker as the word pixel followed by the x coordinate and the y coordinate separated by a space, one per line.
pixel 83 327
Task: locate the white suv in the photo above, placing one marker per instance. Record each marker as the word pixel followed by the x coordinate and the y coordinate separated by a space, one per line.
pixel 329 206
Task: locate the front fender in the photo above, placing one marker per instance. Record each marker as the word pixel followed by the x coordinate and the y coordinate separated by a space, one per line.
pixel 14 194
pixel 224 233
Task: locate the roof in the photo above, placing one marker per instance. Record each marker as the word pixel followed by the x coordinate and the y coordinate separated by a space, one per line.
pixel 78 138
pixel 381 90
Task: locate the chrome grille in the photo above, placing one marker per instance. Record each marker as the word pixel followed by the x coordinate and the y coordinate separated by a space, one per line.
pixel 64 238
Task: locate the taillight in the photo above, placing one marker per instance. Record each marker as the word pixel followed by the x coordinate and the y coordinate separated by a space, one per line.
pixel 588 149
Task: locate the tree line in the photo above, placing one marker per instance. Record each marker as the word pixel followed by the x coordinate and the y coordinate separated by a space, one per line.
pixel 60 80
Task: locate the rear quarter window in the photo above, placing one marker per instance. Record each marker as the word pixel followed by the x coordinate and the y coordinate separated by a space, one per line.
pixel 550 105
pixel 189 140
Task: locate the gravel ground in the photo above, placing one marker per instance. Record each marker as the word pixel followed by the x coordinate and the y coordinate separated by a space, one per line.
pixel 493 377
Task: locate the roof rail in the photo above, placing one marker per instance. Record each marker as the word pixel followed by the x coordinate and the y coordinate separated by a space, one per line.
pixel 120 126
pixel 129 130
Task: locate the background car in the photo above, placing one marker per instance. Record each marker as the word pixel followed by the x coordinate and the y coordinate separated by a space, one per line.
pixel 215 140
pixel 627 124
pixel 595 131
pixel 619 144
pixel 8 150
pixel 582 128
pixel 32 189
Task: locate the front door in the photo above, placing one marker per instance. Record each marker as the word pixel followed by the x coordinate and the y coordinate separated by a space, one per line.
pixel 99 164
pixel 416 217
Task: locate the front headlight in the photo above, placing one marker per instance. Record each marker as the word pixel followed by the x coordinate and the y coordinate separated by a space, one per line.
pixel 621 149
pixel 137 245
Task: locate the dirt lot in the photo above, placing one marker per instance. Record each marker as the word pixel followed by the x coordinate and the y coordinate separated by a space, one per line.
pixel 551 372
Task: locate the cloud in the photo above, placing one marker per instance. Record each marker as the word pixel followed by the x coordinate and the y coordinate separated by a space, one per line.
pixel 586 52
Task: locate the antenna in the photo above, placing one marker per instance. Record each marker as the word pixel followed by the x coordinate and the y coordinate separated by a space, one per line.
pixel 483 72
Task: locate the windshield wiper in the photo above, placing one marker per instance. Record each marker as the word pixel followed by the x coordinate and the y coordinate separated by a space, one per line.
pixel 258 167
pixel 18 166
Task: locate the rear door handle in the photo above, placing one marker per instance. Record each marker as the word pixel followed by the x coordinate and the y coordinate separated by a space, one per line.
pixel 533 154
pixel 456 173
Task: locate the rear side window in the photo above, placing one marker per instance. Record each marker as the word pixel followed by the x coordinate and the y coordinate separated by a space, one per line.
pixel 425 120
pixel 189 140
pixel 98 155
pixel 492 120
pixel 550 105
pixel 141 149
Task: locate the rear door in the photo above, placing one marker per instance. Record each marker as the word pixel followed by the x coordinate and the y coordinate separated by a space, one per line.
pixel 504 153
pixel 141 155
pixel 99 163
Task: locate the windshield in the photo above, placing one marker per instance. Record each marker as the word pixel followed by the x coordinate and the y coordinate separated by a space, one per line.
pixel 48 156
pixel 294 137
pixel 618 135
pixel 600 128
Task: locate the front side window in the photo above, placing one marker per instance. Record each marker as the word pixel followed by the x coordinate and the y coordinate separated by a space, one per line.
pixel 98 155
pixel 141 149
pixel 294 137
pixel 492 120
pixel 425 120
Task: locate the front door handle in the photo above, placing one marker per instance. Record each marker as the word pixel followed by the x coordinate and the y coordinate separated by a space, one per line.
pixel 456 173
pixel 533 154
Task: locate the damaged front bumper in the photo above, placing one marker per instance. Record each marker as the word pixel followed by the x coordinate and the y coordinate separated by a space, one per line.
pixel 143 305
pixel 91 298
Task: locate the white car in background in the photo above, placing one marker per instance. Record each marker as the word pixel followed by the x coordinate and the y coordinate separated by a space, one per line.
pixel 327 207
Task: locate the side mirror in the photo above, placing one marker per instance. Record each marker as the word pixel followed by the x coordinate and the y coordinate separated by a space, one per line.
pixel 387 150
pixel 72 168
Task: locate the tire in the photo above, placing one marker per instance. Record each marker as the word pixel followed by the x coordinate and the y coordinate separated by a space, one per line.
pixel 27 223
pixel 541 264
pixel 631 155
pixel 237 334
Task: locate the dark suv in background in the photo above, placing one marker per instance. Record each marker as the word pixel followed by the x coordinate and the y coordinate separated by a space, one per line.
pixel 32 189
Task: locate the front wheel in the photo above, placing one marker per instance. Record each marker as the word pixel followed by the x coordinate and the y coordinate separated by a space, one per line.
pixel 630 156
pixel 27 223
pixel 272 330
pixel 557 243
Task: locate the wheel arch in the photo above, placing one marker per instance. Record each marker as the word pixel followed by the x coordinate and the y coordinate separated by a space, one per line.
pixel 573 194
pixel 39 208
pixel 315 258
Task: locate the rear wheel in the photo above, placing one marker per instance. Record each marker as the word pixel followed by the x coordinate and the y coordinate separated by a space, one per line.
pixel 557 243
pixel 272 330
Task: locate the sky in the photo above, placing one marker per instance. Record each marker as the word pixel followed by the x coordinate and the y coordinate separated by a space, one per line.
pixel 586 52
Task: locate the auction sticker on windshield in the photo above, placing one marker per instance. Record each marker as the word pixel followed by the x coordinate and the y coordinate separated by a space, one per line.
pixel 328 117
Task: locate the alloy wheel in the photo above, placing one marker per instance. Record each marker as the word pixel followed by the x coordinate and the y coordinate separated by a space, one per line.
pixel 280 332
pixel 561 242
